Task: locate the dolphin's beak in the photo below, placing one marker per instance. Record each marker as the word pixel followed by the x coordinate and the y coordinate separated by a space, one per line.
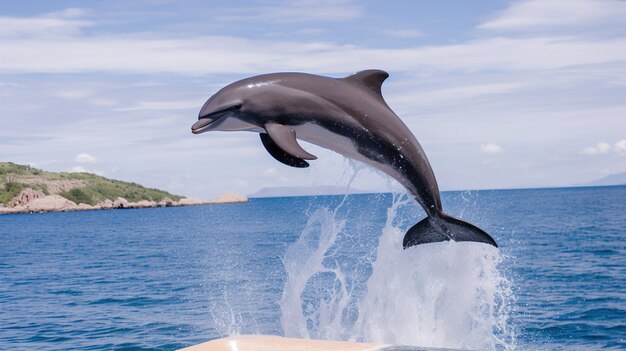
pixel 209 117
pixel 202 125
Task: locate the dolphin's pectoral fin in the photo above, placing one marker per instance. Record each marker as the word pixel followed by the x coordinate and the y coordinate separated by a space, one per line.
pixel 285 138
pixel 372 79
pixel 279 154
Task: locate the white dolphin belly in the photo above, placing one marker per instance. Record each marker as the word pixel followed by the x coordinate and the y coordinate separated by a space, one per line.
pixel 315 134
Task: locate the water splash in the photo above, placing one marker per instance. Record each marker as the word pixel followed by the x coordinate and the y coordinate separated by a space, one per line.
pixel 317 292
pixel 439 295
pixel 304 315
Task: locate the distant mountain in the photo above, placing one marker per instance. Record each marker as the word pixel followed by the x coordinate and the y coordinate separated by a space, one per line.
pixel 612 179
pixel 305 191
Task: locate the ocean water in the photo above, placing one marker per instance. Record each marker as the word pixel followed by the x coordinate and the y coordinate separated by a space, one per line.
pixel 320 267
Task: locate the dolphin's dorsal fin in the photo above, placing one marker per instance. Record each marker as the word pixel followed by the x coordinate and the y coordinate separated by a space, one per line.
pixel 285 138
pixel 372 79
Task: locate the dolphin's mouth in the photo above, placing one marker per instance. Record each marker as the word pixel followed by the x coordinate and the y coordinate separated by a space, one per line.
pixel 207 121
pixel 204 124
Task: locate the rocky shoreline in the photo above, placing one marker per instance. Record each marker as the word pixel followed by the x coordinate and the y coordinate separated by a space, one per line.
pixel 32 201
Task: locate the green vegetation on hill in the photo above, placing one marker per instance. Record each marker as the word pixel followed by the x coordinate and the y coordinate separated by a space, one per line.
pixel 8 191
pixel 14 178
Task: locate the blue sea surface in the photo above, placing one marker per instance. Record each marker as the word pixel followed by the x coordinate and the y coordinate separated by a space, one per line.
pixel 167 278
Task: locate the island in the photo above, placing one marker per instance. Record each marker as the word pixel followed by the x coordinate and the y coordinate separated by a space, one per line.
pixel 25 189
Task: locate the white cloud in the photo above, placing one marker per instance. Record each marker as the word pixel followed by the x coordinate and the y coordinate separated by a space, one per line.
pixel 86 95
pixel 603 148
pixel 620 147
pixel 599 149
pixel 537 15
pixel 297 11
pixel 102 102
pixel 85 158
pixel 74 51
pixel 71 12
pixel 404 33
pixel 413 97
pixel 491 149
pixel 240 182
pixel 163 105
pixel 73 94
pixel 205 55
pixel 56 23
pixel 269 172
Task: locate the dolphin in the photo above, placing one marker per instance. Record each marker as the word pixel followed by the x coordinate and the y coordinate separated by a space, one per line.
pixel 347 115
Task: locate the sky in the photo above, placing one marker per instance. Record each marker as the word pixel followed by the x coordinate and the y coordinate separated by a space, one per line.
pixel 500 94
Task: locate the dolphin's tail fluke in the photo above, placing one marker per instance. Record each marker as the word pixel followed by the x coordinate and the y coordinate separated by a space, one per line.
pixel 442 227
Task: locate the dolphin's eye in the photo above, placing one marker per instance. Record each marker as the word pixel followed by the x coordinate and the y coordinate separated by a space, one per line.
pixel 233 108
pixel 238 107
